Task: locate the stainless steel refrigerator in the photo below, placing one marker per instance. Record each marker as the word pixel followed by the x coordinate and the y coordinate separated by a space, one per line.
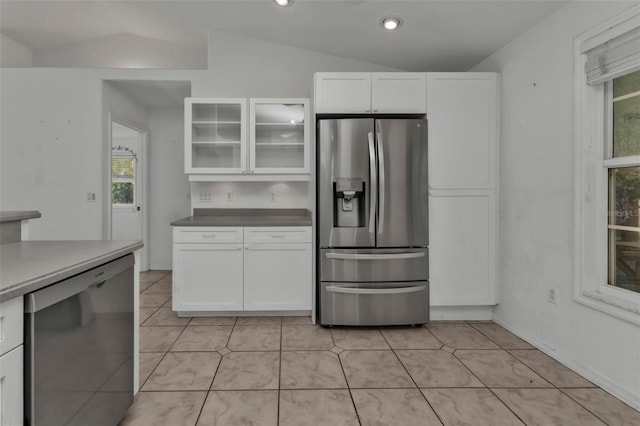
pixel 373 260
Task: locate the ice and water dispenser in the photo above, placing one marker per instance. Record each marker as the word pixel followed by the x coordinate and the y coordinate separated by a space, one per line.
pixel 349 206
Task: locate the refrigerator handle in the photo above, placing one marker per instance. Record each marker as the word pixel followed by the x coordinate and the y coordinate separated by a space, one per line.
pixel 371 291
pixel 382 178
pixel 373 178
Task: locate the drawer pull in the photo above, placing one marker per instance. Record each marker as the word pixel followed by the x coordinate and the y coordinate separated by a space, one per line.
pixel 388 256
pixel 209 235
pixel 277 235
pixel 352 290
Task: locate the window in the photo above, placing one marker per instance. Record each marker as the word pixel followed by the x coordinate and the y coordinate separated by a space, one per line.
pixel 607 167
pixel 623 175
pixel 123 174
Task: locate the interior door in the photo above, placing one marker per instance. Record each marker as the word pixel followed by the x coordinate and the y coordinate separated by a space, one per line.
pixel 126 182
pixel 346 153
pixel 402 182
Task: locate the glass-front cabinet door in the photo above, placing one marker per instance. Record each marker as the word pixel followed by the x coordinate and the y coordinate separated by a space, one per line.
pixel 215 136
pixel 279 136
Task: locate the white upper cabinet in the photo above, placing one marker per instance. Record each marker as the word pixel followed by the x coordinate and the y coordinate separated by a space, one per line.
pixel 342 92
pixel 279 136
pixel 399 92
pixel 463 129
pixel 217 148
pixel 363 92
pixel 215 136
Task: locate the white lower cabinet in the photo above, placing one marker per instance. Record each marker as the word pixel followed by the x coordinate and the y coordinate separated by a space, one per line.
pixel 263 269
pixel 11 388
pixel 277 277
pixel 462 248
pixel 207 277
pixel 11 362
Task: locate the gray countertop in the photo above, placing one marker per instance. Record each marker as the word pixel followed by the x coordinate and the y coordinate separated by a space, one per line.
pixel 13 216
pixel 246 217
pixel 28 266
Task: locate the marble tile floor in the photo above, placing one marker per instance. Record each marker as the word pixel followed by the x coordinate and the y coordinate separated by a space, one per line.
pixel 285 371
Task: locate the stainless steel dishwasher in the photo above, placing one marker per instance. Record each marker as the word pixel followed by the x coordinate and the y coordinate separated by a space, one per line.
pixel 79 348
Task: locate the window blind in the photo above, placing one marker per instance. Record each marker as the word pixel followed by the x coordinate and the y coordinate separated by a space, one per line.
pixel 617 56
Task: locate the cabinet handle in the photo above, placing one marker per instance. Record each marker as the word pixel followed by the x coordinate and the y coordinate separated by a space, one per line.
pixel 246 247
pixel 209 235
pixel 367 110
pixel 277 235
pixel 375 110
pixel 239 247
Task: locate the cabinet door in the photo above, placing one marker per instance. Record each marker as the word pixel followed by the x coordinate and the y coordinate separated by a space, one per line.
pixel 399 92
pixel 207 277
pixel 277 277
pixel 462 248
pixel 215 136
pixel 342 92
pixel 11 386
pixel 279 136
pixel 461 109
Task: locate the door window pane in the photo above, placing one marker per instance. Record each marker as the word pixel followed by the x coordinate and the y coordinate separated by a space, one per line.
pixel 123 180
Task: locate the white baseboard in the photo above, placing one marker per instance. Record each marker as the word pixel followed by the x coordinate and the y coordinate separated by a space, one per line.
pixel 594 376
pixel 459 313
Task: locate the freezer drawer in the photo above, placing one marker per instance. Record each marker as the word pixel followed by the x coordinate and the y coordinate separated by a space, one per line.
pixel 374 304
pixel 367 265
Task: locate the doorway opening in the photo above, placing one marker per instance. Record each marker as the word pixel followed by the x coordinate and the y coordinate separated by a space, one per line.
pixel 127 184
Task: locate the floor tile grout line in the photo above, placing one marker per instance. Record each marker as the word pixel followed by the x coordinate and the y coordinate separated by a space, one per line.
pixel 279 376
pixel 583 406
pixel 412 379
pixel 490 390
pixel 152 314
pixel 353 402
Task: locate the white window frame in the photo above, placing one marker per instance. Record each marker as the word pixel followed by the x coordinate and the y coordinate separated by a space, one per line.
pixel 591 164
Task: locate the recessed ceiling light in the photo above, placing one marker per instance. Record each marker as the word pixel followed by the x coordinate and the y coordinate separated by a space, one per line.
pixel 283 2
pixel 391 23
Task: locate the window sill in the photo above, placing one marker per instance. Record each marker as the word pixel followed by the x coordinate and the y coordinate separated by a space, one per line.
pixel 612 305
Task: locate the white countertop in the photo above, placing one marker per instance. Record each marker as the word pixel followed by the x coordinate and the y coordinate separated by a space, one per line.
pixel 28 266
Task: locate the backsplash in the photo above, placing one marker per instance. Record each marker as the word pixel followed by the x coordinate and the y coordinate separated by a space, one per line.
pixel 267 195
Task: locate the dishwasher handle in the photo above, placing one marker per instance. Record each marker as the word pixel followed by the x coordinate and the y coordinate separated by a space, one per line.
pixel 62 290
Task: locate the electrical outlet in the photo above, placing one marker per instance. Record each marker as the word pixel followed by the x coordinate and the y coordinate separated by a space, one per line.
pixel 552 295
pixel 205 197
pixel 229 195
pixel 273 197
pixel 91 197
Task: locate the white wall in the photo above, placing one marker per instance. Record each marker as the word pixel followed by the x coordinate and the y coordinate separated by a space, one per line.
pixel 536 218
pixel 14 54
pixel 122 51
pixel 51 150
pixel 68 103
pixel 169 185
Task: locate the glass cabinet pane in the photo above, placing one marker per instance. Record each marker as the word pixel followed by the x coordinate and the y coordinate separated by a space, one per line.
pixel 220 156
pixel 217 137
pixel 279 136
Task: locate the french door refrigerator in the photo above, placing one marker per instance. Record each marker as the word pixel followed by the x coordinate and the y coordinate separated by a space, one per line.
pixel 373 260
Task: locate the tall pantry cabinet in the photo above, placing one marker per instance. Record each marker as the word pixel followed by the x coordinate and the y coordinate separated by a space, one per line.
pixel 462 109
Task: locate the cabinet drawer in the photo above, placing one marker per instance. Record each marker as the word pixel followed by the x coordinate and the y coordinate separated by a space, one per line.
pixel 11 324
pixel 299 234
pixel 207 235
